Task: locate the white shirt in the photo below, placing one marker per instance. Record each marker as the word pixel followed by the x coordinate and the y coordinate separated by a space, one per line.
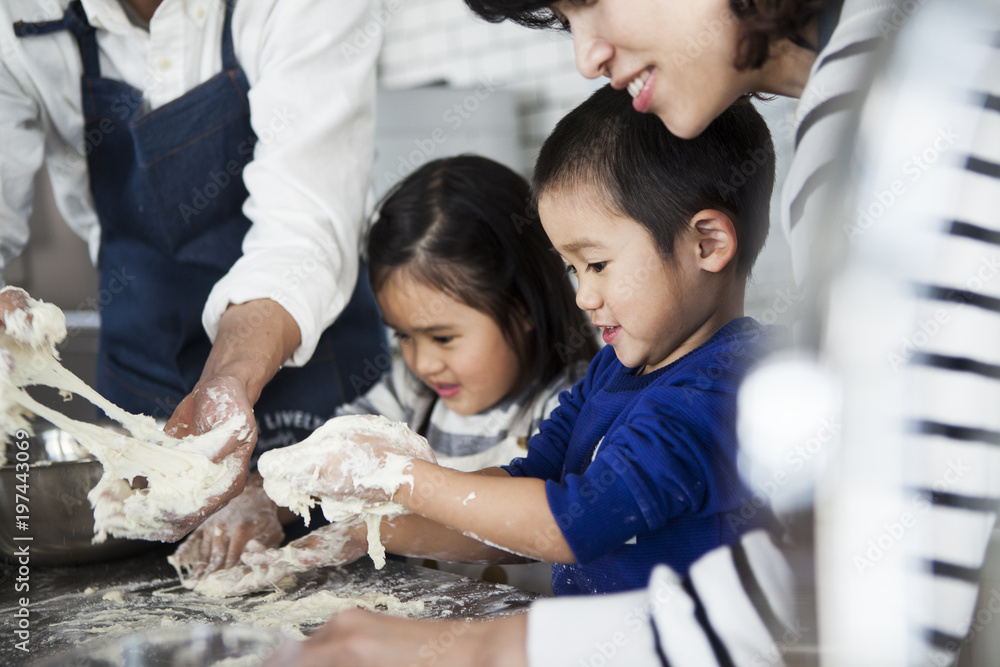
pixel 311 69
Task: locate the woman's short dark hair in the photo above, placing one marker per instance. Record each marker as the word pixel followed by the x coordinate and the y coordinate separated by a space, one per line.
pixel 462 225
pixel 764 22
pixel 660 181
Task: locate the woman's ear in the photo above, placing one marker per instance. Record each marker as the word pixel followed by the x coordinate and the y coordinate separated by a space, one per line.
pixel 715 236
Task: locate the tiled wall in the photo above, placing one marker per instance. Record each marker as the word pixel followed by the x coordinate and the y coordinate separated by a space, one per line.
pixel 433 41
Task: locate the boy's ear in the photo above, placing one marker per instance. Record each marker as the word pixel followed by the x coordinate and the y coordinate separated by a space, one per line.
pixel 715 236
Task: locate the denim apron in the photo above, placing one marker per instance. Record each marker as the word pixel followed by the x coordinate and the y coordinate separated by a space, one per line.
pixel 167 185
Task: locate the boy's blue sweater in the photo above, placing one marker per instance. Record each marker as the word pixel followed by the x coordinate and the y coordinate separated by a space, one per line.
pixel 663 485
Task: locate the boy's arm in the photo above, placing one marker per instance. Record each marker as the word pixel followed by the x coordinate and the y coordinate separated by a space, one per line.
pixel 547 448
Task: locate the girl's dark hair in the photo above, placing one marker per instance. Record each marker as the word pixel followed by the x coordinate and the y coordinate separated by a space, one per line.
pixel 462 225
pixel 647 174
pixel 764 21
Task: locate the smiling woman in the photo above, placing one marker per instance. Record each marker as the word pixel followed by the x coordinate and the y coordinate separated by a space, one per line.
pixel 684 61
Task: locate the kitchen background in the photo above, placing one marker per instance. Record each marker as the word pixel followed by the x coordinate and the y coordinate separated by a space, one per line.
pixel 449 83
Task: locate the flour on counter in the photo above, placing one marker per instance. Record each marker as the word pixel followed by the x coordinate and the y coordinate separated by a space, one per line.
pixel 179 472
pixel 283 469
pixel 288 616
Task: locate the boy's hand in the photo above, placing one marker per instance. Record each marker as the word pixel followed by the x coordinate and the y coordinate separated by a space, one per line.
pixel 219 542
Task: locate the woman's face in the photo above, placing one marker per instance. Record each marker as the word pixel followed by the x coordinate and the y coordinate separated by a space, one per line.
pixel 675 56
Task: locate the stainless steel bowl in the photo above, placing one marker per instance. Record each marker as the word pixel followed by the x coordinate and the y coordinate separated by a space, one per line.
pixel 60 520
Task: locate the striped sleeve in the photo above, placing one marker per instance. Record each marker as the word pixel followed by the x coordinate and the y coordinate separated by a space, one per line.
pixel 953 368
pixel 390 397
pixel 735 609
pixel 907 529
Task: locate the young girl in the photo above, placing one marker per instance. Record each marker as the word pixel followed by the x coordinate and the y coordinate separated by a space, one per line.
pixel 481 308
pixel 487 329
pixel 637 465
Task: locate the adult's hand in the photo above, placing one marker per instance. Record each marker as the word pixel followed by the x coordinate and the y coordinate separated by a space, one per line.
pixel 211 404
pixel 12 300
pixel 356 638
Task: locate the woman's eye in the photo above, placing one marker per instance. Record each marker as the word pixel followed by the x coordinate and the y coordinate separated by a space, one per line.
pixel 597 267
pixel 570 270
pixel 443 340
pixel 563 21
pixel 402 337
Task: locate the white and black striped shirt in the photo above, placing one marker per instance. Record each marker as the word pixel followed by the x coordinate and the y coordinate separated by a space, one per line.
pixel 943 475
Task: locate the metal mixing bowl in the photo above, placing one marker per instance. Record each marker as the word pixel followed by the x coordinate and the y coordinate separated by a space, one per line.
pixel 60 519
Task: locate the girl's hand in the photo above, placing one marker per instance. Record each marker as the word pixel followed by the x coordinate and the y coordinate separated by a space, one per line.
pixel 333 544
pixel 262 568
pixel 220 541
pixel 355 457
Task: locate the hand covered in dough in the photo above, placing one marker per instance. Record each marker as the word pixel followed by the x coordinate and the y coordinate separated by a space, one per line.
pixel 13 300
pixel 262 568
pixel 212 404
pixel 360 457
pixel 219 542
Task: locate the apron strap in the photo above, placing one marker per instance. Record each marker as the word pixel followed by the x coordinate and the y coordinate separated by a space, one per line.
pixel 74 20
pixel 228 53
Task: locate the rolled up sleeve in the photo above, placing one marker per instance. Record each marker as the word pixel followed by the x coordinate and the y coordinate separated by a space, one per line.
pixel 312 101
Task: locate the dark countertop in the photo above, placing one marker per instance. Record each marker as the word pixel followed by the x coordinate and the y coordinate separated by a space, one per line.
pixel 62 614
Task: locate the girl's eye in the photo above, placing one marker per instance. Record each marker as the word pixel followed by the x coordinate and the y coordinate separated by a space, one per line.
pixel 570 269
pixel 597 267
pixel 443 340
pixel 402 337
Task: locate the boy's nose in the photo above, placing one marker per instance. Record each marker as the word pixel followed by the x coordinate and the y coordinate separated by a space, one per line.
pixel 593 53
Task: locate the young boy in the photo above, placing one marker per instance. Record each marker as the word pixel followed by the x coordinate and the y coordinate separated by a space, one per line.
pixel 637 465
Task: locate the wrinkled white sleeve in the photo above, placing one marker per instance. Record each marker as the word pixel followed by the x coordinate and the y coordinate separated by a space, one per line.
pixel 312 94
pixel 735 609
pixel 21 152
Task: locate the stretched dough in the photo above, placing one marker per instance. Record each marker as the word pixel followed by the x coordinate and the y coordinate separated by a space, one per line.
pixel 281 467
pixel 180 475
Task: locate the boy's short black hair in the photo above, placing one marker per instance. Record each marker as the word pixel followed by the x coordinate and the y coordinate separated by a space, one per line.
pixel 659 180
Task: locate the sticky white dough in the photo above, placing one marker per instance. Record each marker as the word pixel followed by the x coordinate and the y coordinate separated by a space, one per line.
pixel 180 475
pixel 279 466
